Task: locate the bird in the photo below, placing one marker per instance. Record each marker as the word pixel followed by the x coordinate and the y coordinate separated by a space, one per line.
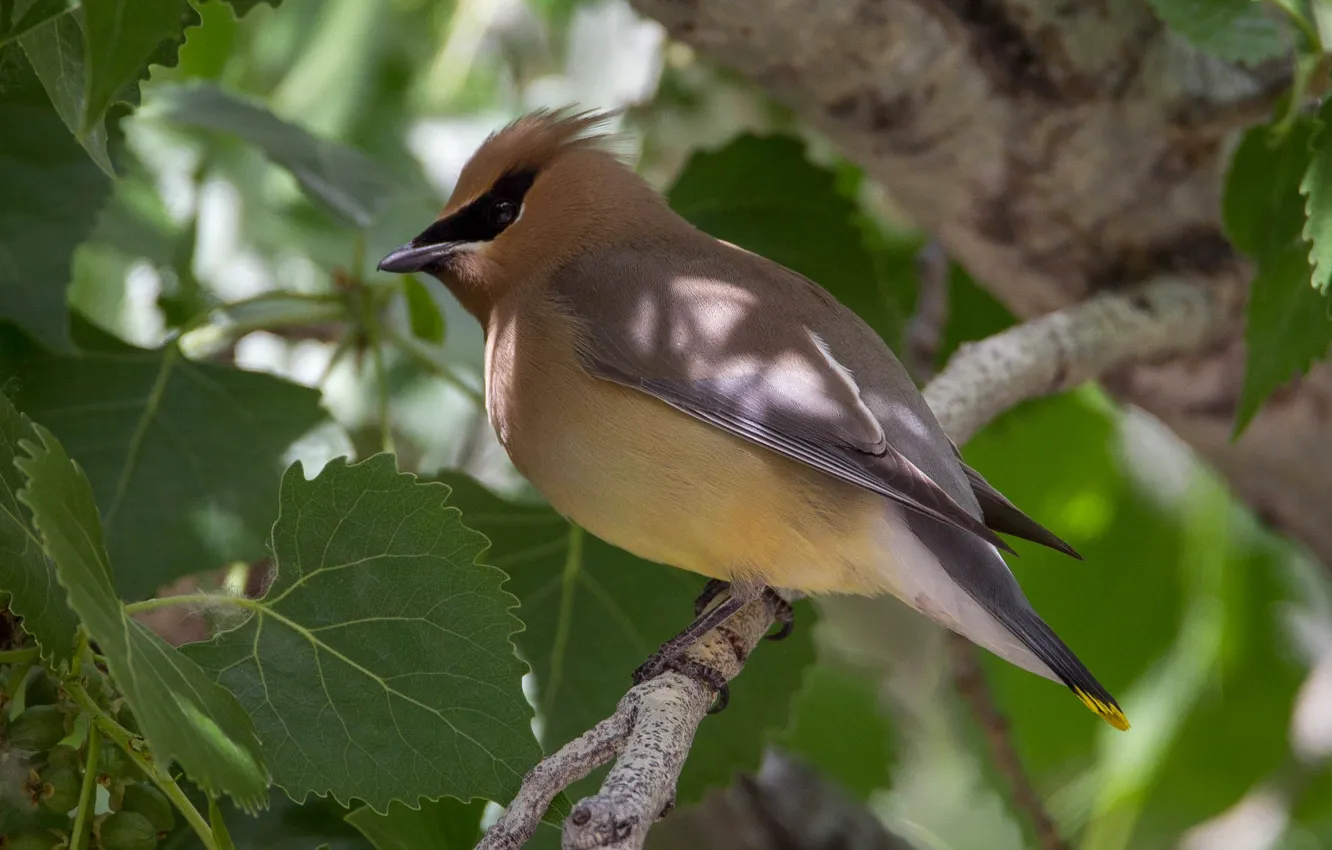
pixel 703 407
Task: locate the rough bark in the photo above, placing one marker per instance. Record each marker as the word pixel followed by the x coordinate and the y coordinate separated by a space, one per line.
pixel 1056 148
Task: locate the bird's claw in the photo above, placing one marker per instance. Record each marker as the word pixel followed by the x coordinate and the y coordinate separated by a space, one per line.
pixel 782 612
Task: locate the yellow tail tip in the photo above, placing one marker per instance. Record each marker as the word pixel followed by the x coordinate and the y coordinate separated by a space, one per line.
pixel 1108 711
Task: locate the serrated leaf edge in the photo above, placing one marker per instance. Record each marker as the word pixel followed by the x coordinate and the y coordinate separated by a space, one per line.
pixel 258 607
pixel 1319 142
pixel 49 442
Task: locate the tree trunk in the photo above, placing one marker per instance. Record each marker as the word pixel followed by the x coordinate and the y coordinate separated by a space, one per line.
pixel 1055 148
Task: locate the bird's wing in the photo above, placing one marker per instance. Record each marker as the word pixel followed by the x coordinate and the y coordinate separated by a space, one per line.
pixel 1005 517
pixel 735 341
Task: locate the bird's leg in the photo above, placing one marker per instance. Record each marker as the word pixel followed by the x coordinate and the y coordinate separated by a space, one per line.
pixel 710 591
pixel 782 611
pixel 671 654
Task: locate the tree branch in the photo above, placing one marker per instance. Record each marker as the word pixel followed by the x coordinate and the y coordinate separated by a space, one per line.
pixel 652 729
pixel 1070 346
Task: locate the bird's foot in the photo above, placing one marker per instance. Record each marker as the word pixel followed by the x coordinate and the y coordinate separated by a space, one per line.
pixel 711 591
pixel 782 612
pixel 660 662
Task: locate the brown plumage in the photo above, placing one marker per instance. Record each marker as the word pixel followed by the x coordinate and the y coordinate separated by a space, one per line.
pixel 701 406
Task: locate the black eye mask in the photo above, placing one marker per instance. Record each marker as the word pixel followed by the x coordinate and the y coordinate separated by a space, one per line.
pixel 486 217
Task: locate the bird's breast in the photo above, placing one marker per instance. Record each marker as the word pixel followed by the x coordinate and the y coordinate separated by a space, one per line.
pixel 663 485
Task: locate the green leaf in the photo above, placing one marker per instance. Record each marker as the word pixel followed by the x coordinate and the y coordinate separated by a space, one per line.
pixel 208 47
pixel 26 15
pixel 181 712
pixel 56 53
pixel 839 727
pixel 1261 205
pixel 764 195
pixel 1287 329
pixel 122 37
pixel 380 665
pixel 25 572
pixel 51 196
pixel 594 613
pixel 190 450
pixel 439 825
pixel 1317 190
pixel 348 183
pixel 1237 30
pixel 426 319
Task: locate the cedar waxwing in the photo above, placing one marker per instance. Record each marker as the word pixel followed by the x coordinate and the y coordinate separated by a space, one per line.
pixel 706 408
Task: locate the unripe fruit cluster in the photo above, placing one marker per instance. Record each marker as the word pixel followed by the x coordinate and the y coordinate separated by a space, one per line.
pixel 51 773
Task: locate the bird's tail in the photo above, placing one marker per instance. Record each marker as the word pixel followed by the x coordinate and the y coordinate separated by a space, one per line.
pixel 1002 620
pixel 1028 627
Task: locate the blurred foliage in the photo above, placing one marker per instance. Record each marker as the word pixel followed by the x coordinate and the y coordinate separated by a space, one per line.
pixel 191 328
pixel 1239 30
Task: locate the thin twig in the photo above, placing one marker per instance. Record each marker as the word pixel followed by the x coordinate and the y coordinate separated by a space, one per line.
pixel 84 813
pixel 924 332
pixel 653 727
pixel 1065 348
pixel 130 744
pixel 571 763
pixel 27 655
pixel 969 679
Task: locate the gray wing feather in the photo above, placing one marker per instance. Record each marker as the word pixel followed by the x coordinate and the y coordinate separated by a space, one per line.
pixel 1005 517
pixel 771 377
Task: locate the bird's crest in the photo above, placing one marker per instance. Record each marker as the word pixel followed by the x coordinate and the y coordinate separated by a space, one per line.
pixel 529 144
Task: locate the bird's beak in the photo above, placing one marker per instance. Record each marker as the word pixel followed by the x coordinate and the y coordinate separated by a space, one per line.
pixel 414 256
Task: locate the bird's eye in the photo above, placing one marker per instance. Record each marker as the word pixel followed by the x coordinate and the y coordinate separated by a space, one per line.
pixel 502 213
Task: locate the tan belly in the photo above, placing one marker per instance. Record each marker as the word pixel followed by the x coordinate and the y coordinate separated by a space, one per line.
pixel 669 488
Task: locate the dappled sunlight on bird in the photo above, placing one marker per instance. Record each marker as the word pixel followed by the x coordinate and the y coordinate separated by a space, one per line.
pixel 703 407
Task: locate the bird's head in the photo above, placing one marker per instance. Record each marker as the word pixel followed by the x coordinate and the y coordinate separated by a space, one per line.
pixel 536 194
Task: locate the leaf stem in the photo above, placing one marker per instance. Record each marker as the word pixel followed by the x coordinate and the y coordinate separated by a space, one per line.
pixel 190 599
pixel 204 316
pixel 381 388
pixel 170 354
pixel 220 833
pixel 440 370
pixel 374 334
pixel 84 813
pixel 124 739
pixel 1306 27
pixel 27 655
